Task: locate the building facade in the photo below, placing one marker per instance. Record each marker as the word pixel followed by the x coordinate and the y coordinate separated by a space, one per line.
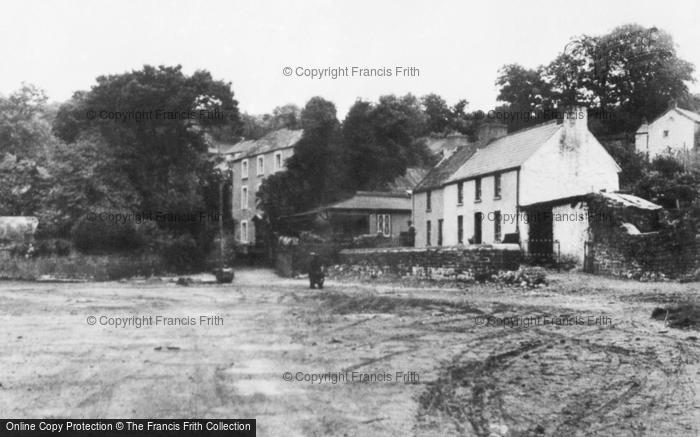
pixel 478 194
pixel 250 161
pixel 676 131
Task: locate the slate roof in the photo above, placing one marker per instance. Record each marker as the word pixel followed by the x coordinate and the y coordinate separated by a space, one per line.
pixel 446 144
pixel 506 152
pixel 367 201
pixel 628 200
pixel 644 128
pixel 690 114
pixel 409 180
pixel 621 199
pixel 437 176
pixel 370 200
pixel 275 140
pixel 477 159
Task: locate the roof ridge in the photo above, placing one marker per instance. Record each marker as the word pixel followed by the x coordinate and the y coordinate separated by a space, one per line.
pixel 683 111
pixel 546 123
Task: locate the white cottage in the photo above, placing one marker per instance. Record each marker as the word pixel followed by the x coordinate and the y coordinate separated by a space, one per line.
pixel 477 195
pixel 676 131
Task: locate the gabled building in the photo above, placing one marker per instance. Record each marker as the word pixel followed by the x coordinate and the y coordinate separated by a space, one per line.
pixel 477 194
pixel 385 213
pixel 251 161
pixel 365 213
pixel 676 130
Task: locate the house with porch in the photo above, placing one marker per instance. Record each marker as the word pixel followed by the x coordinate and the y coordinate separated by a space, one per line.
pixel 479 193
pixel 385 213
pixel 365 213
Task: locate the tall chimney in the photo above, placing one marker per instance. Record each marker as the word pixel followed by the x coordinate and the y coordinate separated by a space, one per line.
pixel 575 127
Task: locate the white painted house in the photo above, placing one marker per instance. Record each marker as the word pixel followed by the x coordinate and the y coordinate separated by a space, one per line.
pixel 676 130
pixel 480 193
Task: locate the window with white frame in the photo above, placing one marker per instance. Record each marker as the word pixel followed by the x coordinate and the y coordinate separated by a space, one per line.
pixel 384 224
pixel 244 169
pixel 244 197
pixel 261 165
pixel 278 161
pixel 244 231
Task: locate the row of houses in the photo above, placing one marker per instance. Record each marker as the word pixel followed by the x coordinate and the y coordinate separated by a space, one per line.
pixel 528 187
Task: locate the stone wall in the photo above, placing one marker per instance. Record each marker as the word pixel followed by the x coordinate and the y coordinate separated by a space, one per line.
pixel 648 255
pixel 456 262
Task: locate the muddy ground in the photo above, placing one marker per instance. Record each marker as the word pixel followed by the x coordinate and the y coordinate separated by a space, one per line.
pixel 585 358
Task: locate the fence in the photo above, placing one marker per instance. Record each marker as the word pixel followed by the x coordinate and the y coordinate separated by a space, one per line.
pixel 541 250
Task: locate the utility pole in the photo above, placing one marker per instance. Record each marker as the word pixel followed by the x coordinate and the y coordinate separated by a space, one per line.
pixel 221 212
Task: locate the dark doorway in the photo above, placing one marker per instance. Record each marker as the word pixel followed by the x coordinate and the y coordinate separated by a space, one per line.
pixel 540 238
pixel 478 218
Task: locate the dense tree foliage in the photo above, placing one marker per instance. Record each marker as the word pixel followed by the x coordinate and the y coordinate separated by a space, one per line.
pixel 375 143
pixel 624 76
pixel 161 149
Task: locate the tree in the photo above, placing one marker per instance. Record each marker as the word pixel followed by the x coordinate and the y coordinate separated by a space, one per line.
pixel 439 115
pixel 526 95
pixel 625 75
pixel 256 126
pixel 22 186
pixel 25 125
pixel 380 141
pixel 668 183
pixel 313 163
pixel 87 178
pixel 154 122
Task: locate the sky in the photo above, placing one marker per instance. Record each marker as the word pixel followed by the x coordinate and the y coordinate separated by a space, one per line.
pixel 455 47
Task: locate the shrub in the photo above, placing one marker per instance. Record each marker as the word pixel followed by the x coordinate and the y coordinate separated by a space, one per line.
pixel 52 246
pixel 185 253
pixel 80 266
pixel 524 276
pixel 100 236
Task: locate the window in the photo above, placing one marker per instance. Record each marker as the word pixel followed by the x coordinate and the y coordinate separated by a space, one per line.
pixel 460 193
pixel 244 197
pixel 244 231
pixel 477 190
pixel 439 237
pixel 257 187
pixel 427 233
pixel 497 226
pixel 497 186
pixel 665 134
pixel 428 200
pixel 460 229
pixel 278 161
pixel 244 169
pixel 384 224
pixel 261 165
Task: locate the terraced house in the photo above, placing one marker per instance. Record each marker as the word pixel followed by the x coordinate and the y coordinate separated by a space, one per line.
pixel 491 191
pixel 251 161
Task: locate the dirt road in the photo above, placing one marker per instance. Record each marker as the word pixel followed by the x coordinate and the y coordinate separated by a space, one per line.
pixel 578 357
